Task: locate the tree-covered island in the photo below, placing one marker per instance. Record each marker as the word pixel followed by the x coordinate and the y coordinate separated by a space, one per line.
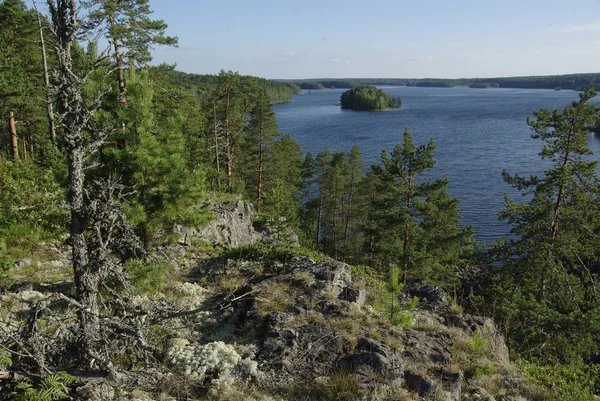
pixel 367 98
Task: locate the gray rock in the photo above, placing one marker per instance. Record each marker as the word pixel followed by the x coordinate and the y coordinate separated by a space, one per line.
pixel 96 391
pixel 455 381
pixel 337 273
pixel 420 383
pixel 273 235
pixel 23 263
pixel 431 294
pixel 288 334
pixel 369 360
pixel 370 345
pixel 231 227
pixel 353 295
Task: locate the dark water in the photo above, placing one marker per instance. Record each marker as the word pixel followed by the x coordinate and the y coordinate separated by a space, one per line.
pixel 478 133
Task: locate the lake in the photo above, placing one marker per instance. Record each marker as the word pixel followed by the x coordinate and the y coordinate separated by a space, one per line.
pixel 478 133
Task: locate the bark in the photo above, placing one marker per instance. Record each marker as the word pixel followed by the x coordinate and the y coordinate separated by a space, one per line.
pixel 347 219
pixel 74 118
pixel 14 143
pixel 49 103
pixel 320 215
pixel 407 239
pixel 119 65
pixel 217 148
pixel 259 183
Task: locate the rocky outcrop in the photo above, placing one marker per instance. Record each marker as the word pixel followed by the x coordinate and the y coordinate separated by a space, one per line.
pixel 231 227
pixel 311 325
pixel 234 226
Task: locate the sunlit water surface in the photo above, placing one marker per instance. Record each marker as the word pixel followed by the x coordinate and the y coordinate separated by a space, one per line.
pixel 478 133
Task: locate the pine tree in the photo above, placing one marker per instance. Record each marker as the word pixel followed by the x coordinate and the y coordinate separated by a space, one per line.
pixel 20 67
pixel 323 163
pixel 261 132
pixel 355 174
pixel 130 31
pixel 230 116
pixel 167 190
pixel 405 209
pixel 552 263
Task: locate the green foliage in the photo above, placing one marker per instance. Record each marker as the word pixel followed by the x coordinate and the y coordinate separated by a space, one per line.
pixel 472 355
pixel 150 160
pixel 548 291
pixel 565 382
pixel 52 388
pixel 398 314
pixel 148 276
pixel 412 222
pixel 21 85
pixel 129 24
pixel 270 256
pixel 5 359
pixel 566 81
pixel 364 98
pixel 30 211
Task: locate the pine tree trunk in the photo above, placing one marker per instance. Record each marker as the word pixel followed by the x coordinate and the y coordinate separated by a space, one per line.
pixel 229 155
pixel 407 239
pixel 217 148
pixel 14 143
pixel 320 217
pixel 49 105
pixel 259 183
pixel 347 218
pixel 119 66
pixel 74 116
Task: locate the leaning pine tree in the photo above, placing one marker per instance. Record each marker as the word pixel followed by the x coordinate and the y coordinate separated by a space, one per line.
pixel 551 266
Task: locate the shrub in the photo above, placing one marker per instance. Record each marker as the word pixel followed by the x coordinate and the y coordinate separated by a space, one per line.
pixel 567 382
pixel 147 276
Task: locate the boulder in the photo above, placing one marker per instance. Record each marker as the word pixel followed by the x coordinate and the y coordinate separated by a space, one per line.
pixel 231 227
pixel 353 295
pixel 432 295
pixel 420 383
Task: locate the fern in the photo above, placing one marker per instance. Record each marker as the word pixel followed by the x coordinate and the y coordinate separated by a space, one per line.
pixel 5 359
pixel 52 388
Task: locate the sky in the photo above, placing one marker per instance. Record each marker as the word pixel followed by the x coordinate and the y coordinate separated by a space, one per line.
pixel 382 38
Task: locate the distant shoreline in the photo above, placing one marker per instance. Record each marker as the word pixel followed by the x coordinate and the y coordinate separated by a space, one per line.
pixel 564 82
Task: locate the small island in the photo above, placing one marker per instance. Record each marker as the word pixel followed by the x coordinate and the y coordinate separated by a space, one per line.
pixel 368 98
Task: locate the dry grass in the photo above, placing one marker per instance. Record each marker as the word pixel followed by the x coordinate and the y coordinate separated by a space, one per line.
pixel 276 297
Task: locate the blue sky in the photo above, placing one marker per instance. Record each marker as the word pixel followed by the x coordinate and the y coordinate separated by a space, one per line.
pixel 382 38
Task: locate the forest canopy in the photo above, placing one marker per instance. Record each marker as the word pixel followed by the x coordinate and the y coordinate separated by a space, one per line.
pixel 365 98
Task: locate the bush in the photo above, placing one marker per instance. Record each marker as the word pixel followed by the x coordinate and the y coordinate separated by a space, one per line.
pixel 30 211
pixel 569 382
pixel 147 276
pixel 472 356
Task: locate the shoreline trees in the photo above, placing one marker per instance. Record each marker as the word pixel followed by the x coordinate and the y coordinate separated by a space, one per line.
pixel 367 98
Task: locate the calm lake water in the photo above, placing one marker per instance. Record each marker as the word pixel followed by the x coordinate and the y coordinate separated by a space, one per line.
pixel 478 133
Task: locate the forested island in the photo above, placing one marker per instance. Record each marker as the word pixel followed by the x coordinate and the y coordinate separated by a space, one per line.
pixel 162 240
pixel 368 98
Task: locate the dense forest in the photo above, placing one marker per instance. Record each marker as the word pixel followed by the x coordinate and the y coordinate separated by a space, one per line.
pixel 568 81
pixel 365 98
pixel 106 155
